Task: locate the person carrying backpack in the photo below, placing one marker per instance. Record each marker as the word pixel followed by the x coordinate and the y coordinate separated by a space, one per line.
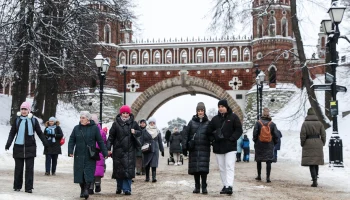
pixel 265 137
pixel 246 148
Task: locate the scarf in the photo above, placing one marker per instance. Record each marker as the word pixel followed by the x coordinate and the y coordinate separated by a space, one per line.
pixel 124 119
pixel 51 133
pixel 22 130
pixel 152 130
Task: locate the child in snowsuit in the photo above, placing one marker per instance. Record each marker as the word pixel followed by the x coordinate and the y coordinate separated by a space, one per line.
pixel 246 148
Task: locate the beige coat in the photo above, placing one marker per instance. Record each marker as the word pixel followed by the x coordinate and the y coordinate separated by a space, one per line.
pixel 312 153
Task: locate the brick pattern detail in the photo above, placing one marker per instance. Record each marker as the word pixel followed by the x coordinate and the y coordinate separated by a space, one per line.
pixel 190 80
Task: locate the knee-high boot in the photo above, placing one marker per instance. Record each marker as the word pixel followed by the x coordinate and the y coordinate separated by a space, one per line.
pixel 154 174
pixel 204 184
pixel 258 167
pixel 147 173
pixel 268 172
pixel 197 183
pixel 82 186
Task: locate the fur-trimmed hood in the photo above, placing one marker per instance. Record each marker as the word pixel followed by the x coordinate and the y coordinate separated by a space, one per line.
pixel 47 123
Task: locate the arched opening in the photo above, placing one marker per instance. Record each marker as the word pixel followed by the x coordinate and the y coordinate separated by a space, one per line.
pixel 152 98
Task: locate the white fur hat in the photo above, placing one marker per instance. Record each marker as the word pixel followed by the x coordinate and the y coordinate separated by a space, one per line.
pixel 152 119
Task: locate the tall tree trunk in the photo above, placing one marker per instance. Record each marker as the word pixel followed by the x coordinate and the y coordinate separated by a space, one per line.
pixel 39 97
pixel 51 100
pixel 307 82
pixel 21 60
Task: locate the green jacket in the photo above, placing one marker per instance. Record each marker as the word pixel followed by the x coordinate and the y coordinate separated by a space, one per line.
pixel 84 167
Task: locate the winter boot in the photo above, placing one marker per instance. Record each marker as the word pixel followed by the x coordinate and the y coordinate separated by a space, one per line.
pixel 258 178
pixel 197 183
pixel 258 167
pixel 154 174
pixel 98 187
pixel 147 174
pixel 314 182
pixel 81 190
pixel 86 190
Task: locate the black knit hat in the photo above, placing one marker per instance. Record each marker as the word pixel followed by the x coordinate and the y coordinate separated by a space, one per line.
pixel 142 120
pixel 223 102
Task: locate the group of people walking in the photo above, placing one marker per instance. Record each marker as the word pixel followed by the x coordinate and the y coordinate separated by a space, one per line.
pixel 138 146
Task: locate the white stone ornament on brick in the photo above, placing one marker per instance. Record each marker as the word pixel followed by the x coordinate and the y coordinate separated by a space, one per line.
pixel 247 70
pixel 198 72
pixel 235 83
pixel 156 73
pixel 210 71
pixel 222 71
pixel 168 73
pixel 133 73
pixel 133 85
pixel 235 71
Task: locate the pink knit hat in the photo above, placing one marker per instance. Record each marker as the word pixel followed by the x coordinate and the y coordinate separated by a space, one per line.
pixel 124 109
pixel 26 105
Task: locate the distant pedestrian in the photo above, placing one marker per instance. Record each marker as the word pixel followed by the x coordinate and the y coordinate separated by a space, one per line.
pixel 312 140
pixel 175 145
pixel 199 150
pixel 277 146
pixel 265 137
pixel 167 137
pixel 85 135
pixel 123 136
pixel 226 128
pixel 239 149
pixel 24 148
pixel 100 164
pixel 246 148
pixel 140 170
pixel 53 134
pixel 151 135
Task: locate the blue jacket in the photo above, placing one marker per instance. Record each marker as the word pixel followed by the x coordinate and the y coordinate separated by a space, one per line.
pixel 239 144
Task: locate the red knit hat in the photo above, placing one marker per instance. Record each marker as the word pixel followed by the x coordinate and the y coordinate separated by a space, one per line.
pixel 124 109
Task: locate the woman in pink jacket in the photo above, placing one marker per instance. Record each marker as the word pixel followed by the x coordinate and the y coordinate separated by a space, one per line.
pixel 100 169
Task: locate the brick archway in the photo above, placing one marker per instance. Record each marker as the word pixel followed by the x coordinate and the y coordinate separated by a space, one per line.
pixel 158 94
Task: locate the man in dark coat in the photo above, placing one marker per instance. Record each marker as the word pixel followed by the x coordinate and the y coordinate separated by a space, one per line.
pixel 24 149
pixel 167 137
pixel 83 135
pixel 264 150
pixel 228 129
pixel 123 137
pixel 199 153
pixel 312 140
pixel 139 166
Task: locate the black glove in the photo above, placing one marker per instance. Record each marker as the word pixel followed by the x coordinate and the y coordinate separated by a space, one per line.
pixel 162 153
pixel 6 148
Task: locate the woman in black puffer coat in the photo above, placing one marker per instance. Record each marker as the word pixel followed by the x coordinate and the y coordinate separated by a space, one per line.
pixel 199 155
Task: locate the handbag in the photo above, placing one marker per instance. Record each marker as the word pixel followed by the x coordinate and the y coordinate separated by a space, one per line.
pixel 191 143
pixel 62 141
pixel 146 148
pixel 93 154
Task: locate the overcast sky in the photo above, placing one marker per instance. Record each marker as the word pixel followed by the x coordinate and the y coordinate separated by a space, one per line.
pixel 191 18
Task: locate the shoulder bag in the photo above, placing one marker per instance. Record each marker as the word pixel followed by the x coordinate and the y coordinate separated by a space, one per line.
pixel 94 154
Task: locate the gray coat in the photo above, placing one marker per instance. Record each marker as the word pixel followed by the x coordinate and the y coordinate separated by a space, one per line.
pixel 84 167
pixel 264 150
pixel 312 153
pixel 152 157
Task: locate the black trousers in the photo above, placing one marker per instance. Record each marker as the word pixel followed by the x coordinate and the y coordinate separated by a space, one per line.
pixel 313 171
pixel 268 168
pixel 49 158
pixel 29 173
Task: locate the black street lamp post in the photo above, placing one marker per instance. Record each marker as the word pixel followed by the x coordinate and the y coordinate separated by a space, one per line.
pixel 331 28
pixel 257 71
pixel 103 66
pixel 261 78
pixel 124 73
